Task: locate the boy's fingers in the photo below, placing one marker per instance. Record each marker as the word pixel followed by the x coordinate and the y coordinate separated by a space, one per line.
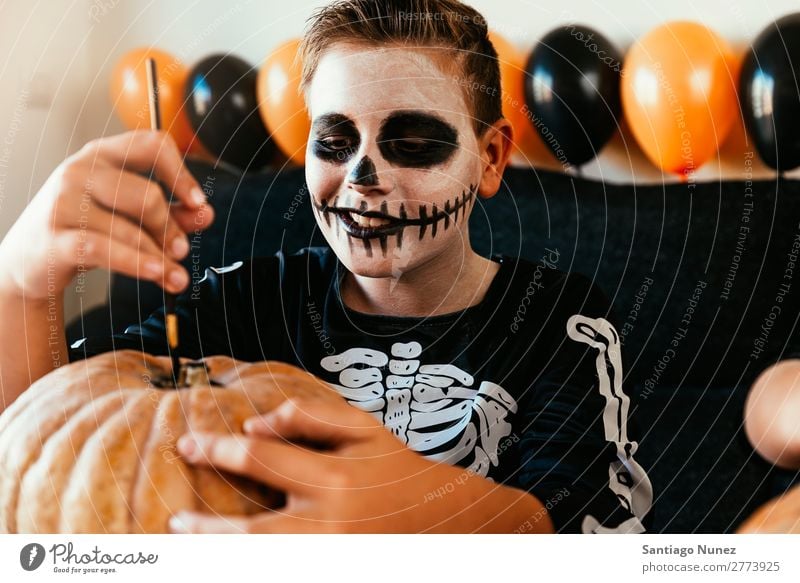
pixel 316 421
pixel 142 201
pixel 286 467
pixel 122 229
pixel 267 522
pixel 146 150
pixel 89 249
pixel 197 523
pixel 191 220
pixel 117 226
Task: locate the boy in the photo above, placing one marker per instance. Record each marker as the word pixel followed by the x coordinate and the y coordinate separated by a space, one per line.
pixel 504 369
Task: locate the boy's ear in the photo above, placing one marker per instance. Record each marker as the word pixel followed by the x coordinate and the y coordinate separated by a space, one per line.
pixel 495 147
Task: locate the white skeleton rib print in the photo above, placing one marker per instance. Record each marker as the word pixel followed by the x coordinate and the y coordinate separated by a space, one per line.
pixel 426 406
pixel 627 479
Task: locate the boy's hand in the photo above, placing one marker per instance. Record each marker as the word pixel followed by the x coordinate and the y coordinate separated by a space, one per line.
pixel 95 210
pixel 358 477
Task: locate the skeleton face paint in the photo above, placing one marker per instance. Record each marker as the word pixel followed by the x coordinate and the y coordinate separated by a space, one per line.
pixel 364 173
pixel 352 219
pixel 417 140
pixel 337 138
pixel 391 161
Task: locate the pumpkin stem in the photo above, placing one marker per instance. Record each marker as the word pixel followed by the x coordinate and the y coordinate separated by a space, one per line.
pixel 191 374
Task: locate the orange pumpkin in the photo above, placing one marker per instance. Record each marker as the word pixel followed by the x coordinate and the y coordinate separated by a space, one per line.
pixel 91 447
pixel 780 515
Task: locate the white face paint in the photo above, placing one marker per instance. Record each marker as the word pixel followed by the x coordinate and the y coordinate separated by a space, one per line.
pixel 392 136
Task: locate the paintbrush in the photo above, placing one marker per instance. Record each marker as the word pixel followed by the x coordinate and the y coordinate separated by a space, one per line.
pixel 171 319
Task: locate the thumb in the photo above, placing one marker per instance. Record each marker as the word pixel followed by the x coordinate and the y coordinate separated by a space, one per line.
pixel 330 422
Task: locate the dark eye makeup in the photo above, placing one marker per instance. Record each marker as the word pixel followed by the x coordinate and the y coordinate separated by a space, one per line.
pixel 417 140
pixel 406 138
pixel 336 138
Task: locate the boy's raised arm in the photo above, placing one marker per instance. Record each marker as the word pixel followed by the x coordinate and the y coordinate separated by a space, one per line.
pixel 97 209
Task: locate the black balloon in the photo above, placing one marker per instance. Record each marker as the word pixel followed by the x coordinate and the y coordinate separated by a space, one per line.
pixel 769 90
pixel 223 110
pixel 572 87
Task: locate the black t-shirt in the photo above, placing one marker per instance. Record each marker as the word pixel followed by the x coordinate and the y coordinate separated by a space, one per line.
pixel 523 388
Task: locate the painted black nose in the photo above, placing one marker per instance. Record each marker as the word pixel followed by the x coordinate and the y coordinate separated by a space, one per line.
pixel 364 173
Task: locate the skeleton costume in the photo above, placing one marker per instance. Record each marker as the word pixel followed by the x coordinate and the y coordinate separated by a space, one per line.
pixel 523 388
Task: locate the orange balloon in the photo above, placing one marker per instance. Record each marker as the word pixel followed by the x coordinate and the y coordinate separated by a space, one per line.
pixel 129 96
pixel 282 108
pixel 679 95
pixel 512 81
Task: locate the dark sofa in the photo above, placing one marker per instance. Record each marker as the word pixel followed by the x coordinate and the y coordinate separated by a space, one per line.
pixel 694 272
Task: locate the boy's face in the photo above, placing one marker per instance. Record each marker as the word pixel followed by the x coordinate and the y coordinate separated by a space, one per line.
pixel 392 163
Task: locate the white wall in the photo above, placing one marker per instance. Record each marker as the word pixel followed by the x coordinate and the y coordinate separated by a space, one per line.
pixel 44 73
pixel 56 57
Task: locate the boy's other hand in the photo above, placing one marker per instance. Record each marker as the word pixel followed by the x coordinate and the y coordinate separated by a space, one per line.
pixel 358 477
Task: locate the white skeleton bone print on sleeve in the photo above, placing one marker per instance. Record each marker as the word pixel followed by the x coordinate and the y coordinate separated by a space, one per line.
pixel 415 400
pixel 627 479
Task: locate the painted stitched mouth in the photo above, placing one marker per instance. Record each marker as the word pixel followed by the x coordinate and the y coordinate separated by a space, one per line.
pixel 365 224
pixel 363 227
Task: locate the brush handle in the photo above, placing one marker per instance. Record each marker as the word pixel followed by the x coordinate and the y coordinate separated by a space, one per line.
pixel 171 319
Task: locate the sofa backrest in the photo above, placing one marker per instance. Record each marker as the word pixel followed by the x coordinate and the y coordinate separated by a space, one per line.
pixel 703 280
pixel 703 277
